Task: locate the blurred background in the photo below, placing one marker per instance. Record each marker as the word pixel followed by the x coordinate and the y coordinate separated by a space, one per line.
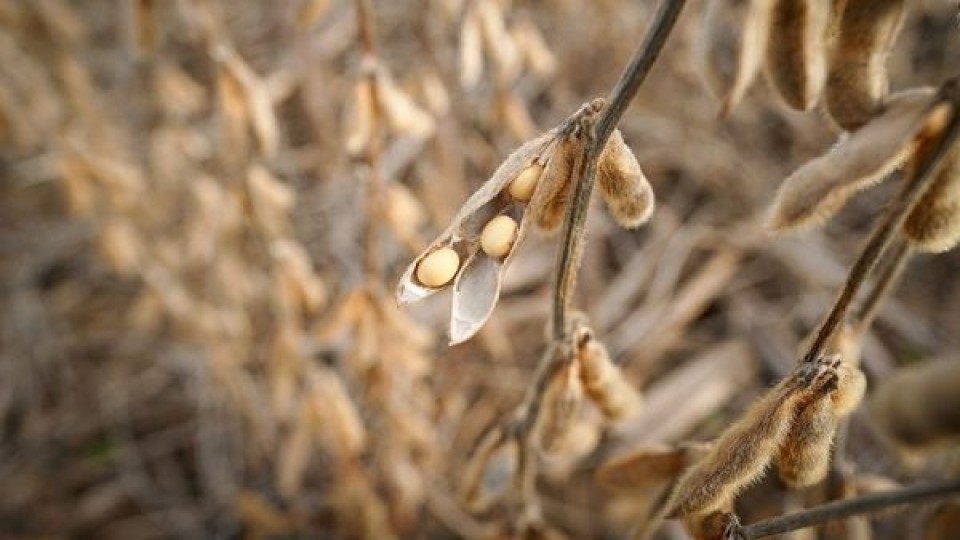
pixel 197 332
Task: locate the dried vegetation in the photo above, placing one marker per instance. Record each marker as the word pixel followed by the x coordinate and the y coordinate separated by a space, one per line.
pixel 210 210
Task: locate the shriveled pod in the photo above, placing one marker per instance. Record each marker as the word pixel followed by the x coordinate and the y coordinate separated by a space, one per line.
pixel 857 82
pixel 623 185
pixel 488 229
pixel 604 381
pixel 934 223
pixel 561 406
pixel 797 51
pixel 818 189
pixel 733 38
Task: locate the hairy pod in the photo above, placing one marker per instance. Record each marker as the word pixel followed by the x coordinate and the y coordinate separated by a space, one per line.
pixel 797 52
pixel 742 452
pixel 804 458
pixel 934 223
pixel 622 184
pixel 604 381
pixel 857 81
pixel 920 406
pixel 549 205
pixel 560 408
pixel 818 189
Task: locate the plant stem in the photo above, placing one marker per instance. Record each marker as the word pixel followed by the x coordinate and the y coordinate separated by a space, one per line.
pixel 891 222
pixel 847 508
pixel 373 264
pixel 571 247
pixel 885 283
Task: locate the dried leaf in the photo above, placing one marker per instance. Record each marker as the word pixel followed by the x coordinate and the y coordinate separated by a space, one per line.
pixel 732 44
pixel 817 190
pixel 857 82
pixel 797 51
pixel 651 467
pixel 623 185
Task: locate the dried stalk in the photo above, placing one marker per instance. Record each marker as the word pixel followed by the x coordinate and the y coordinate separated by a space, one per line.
pixel 846 508
pixel 373 263
pixel 561 350
pixel 889 224
pixel 883 286
pixel 633 75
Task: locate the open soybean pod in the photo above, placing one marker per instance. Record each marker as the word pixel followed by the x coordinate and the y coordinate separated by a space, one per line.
pixel 733 39
pixel 818 189
pixel 455 257
pixel 472 253
pixel 797 50
pixel 857 81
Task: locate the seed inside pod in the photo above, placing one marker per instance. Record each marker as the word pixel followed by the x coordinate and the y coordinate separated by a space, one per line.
pixel 498 236
pixel 438 268
pixel 523 186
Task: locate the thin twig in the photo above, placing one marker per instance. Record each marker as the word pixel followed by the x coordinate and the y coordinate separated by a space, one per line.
pixel 574 225
pixel 890 223
pixel 883 286
pixel 373 264
pixel 865 504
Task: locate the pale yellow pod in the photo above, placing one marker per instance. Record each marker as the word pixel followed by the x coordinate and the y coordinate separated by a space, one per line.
pixel 498 236
pixel 857 80
pixel 934 223
pixel 523 186
pixel 796 52
pixel 438 268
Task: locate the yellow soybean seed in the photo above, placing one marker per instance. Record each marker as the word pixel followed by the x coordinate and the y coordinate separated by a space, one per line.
pixel 523 186
pixel 498 236
pixel 438 268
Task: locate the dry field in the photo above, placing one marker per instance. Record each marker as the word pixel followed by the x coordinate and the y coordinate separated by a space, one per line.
pixel 206 207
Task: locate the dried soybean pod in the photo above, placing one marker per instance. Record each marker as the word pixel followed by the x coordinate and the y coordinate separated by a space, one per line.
pixel 934 223
pixel 857 81
pixel 604 381
pixel 484 204
pixel 920 405
pixel 622 184
pixel 561 406
pixel 804 458
pixel 742 452
pixel 549 203
pixel 818 189
pixel 797 52
pixel 733 39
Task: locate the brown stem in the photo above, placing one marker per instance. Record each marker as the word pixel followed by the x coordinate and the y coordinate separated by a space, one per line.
pixel 373 260
pixel 890 223
pixel 571 247
pixel 865 504
pixel 883 286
